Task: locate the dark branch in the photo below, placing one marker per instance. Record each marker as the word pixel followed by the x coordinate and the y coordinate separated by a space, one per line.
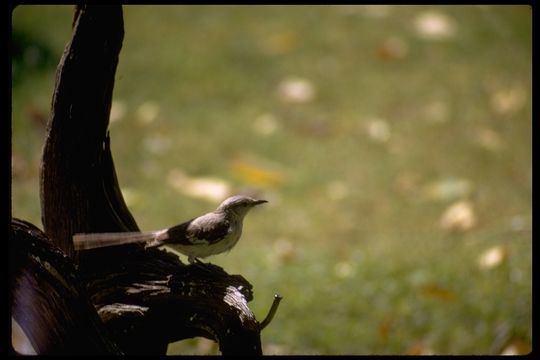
pixel 272 311
pixel 79 190
pixel 47 299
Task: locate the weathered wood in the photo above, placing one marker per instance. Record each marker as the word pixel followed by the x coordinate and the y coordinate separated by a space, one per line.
pixel 47 299
pixel 157 298
pixel 145 298
pixel 79 191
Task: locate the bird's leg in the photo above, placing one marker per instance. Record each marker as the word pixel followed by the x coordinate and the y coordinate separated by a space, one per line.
pixel 194 260
pixel 200 264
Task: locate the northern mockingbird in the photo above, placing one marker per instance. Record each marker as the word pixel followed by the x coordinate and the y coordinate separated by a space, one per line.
pixel 212 233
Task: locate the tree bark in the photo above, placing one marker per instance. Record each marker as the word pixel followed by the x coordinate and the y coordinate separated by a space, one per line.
pixel 48 300
pixel 79 190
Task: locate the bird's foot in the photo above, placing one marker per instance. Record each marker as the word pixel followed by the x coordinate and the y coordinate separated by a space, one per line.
pixel 200 264
pixel 193 260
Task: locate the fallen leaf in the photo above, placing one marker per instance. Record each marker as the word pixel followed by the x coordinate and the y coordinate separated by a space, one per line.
pixel 489 139
pixel 147 112
pixel 493 257
pixel 207 188
pixel 296 90
pixel 508 100
pixel 434 25
pixel 281 43
pixel 459 216
pixel 517 348
pixel 378 130
pixel 255 174
pixel 392 49
pixel 437 292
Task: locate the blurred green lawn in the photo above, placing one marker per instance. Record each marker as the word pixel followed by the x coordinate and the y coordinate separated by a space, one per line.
pixel 393 142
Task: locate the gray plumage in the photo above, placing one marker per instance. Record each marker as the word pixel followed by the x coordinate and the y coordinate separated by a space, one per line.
pixel 212 233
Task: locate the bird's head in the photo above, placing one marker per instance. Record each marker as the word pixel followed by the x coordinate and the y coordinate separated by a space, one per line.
pixel 239 204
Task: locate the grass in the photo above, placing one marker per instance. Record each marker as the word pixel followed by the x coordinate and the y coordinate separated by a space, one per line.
pixel 351 237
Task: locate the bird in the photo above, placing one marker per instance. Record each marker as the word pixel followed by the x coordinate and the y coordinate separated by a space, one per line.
pixel 209 234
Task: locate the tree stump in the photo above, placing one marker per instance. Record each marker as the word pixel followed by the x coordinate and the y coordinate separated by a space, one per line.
pixel 116 300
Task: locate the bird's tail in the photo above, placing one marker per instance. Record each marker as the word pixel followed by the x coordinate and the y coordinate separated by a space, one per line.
pixel 99 240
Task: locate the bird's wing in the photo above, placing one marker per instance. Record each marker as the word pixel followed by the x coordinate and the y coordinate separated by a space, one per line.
pixel 174 235
pixel 208 229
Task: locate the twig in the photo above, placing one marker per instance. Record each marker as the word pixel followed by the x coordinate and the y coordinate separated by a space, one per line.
pixel 271 312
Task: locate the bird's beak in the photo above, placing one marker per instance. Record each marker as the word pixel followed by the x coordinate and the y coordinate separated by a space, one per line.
pixel 258 202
